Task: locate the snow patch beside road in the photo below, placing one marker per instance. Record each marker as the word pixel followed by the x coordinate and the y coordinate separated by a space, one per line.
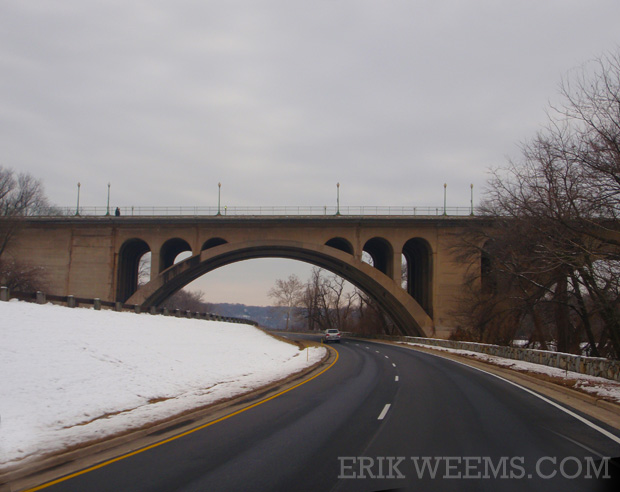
pixel 73 375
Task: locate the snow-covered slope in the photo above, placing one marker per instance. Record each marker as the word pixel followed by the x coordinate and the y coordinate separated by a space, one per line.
pixel 71 375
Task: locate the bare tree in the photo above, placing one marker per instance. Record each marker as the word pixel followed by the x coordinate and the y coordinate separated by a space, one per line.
pixel 339 303
pixel 20 195
pixel 20 277
pixel 311 303
pixel 144 269
pixel 328 303
pixel 288 295
pixel 555 244
pixel 370 318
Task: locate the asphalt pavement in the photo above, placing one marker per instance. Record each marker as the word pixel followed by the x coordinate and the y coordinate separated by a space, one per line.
pixel 381 418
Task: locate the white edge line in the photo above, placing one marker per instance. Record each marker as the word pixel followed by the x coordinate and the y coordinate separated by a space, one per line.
pixel 608 434
pixel 384 411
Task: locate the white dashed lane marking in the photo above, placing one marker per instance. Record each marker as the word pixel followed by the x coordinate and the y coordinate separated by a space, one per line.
pixel 384 411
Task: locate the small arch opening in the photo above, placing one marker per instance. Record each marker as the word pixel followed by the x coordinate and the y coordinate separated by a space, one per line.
pixel 170 252
pixel 213 242
pixel 381 253
pixel 340 243
pixel 130 257
pixel 418 258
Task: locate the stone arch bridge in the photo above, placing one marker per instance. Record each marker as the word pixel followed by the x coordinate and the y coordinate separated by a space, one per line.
pixel 98 257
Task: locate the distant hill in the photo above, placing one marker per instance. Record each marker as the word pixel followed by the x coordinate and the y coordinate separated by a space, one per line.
pixel 266 316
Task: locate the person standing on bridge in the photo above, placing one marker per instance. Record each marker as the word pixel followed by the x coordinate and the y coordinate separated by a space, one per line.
pixel 117 212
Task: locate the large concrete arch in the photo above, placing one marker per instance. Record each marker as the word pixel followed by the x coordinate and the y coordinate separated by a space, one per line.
pixel 405 311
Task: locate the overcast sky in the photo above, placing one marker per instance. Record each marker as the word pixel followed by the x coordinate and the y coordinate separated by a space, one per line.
pixel 279 100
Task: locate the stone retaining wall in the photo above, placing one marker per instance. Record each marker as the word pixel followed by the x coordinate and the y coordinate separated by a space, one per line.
pixel 593 366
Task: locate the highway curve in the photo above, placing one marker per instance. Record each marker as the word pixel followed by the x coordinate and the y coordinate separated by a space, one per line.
pixel 382 418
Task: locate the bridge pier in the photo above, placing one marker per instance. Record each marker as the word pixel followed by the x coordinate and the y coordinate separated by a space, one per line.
pixel 396 268
pixel 154 263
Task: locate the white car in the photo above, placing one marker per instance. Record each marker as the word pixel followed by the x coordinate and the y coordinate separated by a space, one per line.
pixel 331 335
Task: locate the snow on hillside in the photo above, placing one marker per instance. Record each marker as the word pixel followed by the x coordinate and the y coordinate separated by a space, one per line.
pixel 71 375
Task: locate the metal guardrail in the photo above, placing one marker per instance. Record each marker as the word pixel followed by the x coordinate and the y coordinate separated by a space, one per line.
pixel 267 211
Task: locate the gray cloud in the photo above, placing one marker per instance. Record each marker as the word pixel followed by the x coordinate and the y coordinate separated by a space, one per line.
pixel 279 100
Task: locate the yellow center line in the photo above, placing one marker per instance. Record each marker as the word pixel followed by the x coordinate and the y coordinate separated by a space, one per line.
pixel 183 434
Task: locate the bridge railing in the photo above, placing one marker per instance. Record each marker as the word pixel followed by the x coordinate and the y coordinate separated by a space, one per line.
pixel 267 211
pixel 97 304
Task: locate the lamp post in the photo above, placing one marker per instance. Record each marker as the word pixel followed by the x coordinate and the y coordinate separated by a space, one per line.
pixel 107 212
pixel 445 186
pixel 337 198
pixel 77 210
pixel 471 210
pixel 219 195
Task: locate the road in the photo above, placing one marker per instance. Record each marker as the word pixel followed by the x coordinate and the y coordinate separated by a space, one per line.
pixel 382 418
